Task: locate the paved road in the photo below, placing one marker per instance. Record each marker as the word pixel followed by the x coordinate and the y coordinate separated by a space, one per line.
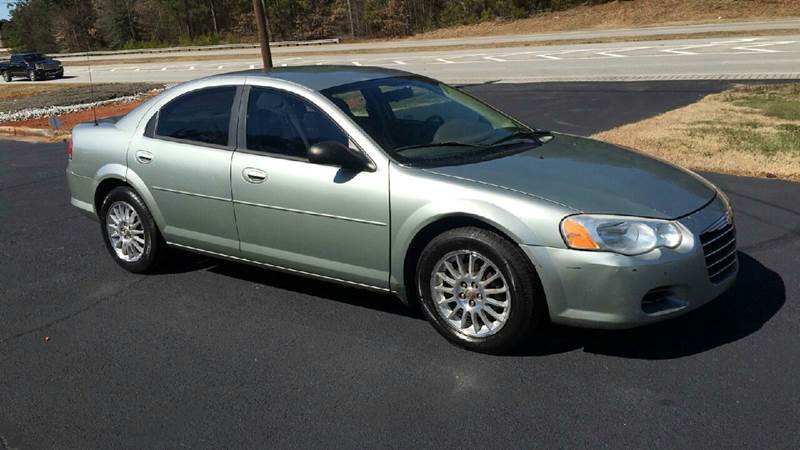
pixel 511 39
pixel 214 354
pixel 726 58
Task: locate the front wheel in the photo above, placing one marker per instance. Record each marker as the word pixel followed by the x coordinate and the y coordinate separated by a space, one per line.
pixel 6 76
pixel 129 231
pixel 480 291
pixel 32 75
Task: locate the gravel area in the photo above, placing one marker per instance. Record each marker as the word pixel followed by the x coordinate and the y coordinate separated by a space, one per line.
pixel 33 105
pixel 75 96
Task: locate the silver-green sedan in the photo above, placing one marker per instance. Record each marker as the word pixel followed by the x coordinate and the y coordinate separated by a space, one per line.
pixel 390 181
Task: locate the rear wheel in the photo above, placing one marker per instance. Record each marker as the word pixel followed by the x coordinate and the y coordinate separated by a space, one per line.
pixel 6 76
pixel 480 291
pixel 32 75
pixel 129 231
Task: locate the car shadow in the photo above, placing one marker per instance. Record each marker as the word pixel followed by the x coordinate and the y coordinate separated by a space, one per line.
pixel 758 295
pixel 318 288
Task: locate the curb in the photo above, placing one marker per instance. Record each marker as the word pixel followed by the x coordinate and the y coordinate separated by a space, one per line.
pixel 8 131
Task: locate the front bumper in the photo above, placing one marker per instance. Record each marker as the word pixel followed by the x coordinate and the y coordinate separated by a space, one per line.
pixel 607 290
pixel 50 73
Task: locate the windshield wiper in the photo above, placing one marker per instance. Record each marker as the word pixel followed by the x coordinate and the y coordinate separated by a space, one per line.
pixel 537 136
pixel 438 144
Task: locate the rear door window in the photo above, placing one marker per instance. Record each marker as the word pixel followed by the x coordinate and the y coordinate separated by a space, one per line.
pixel 201 116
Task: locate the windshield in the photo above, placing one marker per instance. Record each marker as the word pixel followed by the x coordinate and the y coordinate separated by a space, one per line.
pixel 33 57
pixel 421 121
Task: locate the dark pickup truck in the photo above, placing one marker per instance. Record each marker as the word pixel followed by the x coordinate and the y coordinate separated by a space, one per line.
pixel 33 66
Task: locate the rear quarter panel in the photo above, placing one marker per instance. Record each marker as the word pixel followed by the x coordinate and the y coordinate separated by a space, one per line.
pixel 98 153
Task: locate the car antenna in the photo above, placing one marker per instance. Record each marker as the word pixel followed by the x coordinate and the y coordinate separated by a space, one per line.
pixel 91 86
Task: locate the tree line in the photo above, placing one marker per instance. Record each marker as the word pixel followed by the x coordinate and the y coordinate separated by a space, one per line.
pixel 80 25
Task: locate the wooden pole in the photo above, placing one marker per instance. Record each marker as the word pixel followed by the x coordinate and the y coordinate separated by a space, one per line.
pixel 263 34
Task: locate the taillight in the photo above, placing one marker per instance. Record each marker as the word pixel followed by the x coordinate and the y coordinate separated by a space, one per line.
pixel 69 149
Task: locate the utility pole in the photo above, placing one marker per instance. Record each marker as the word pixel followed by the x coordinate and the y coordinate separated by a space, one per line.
pixel 350 13
pixel 263 33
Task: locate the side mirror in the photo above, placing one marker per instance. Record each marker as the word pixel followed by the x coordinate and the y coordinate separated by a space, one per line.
pixel 331 153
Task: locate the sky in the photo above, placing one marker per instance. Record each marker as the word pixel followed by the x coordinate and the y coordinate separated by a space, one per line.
pixel 3 10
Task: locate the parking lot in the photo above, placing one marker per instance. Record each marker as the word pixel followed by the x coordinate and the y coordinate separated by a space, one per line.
pixel 215 354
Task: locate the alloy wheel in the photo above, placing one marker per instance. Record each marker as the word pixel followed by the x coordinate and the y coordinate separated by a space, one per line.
pixel 125 232
pixel 470 293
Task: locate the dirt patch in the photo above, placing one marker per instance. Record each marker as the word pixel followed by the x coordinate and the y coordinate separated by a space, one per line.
pixel 623 14
pixel 748 130
pixel 25 96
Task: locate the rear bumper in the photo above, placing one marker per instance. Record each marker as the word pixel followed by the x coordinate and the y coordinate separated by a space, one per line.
pixel 81 193
pixel 607 290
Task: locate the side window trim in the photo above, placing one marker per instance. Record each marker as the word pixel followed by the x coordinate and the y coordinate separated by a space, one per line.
pixel 150 131
pixel 242 127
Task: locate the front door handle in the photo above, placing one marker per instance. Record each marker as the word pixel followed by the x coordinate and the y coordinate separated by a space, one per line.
pixel 254 176
pixel 144 157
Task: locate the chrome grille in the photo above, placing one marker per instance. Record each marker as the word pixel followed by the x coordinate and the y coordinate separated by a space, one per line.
pixel 719 248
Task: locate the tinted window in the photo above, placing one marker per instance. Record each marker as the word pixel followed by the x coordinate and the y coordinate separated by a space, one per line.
pixel 201 116
pixel 422 121
pixel 284 124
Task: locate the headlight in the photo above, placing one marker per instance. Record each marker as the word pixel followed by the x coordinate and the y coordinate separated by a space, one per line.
pixel 619 234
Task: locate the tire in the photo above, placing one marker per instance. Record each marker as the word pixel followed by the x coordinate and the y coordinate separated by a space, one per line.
pixel 6 76
pixel 129 252
pixel 525 310
pixel 32 75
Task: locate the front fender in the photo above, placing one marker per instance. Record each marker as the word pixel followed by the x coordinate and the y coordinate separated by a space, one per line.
pixel 491 214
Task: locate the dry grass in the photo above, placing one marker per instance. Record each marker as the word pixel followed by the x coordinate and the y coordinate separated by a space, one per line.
pixel 14 90
pixel 748 130
pixel 632 13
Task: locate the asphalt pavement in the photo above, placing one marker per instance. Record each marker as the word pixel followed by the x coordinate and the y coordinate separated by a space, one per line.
pixel 215 354
pixel 740 57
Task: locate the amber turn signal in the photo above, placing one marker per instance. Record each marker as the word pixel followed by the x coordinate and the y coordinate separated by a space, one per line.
pixel 576 235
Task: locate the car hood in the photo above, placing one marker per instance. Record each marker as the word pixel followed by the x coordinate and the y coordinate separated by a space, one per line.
pixel 593 177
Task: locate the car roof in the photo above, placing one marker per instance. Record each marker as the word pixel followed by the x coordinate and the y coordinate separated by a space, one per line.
pixel 324 77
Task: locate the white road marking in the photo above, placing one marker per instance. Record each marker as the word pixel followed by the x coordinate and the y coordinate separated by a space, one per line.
pixel 446 61
pixel 402 63
pixel 615 53
pixel 252 66
pixel 220 67
pixel 356 63
pixel 757 47
pixel 163 69
pixel 494 58
pixel 548 57
pixel 683 49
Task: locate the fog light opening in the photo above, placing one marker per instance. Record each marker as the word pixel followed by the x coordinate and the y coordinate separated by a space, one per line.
pixel 662 300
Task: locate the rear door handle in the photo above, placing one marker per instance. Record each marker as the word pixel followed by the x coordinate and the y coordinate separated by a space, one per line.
pixel 144 157
pixel 254 176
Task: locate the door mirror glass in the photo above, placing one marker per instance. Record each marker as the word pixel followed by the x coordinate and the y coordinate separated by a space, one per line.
pixel 332 153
